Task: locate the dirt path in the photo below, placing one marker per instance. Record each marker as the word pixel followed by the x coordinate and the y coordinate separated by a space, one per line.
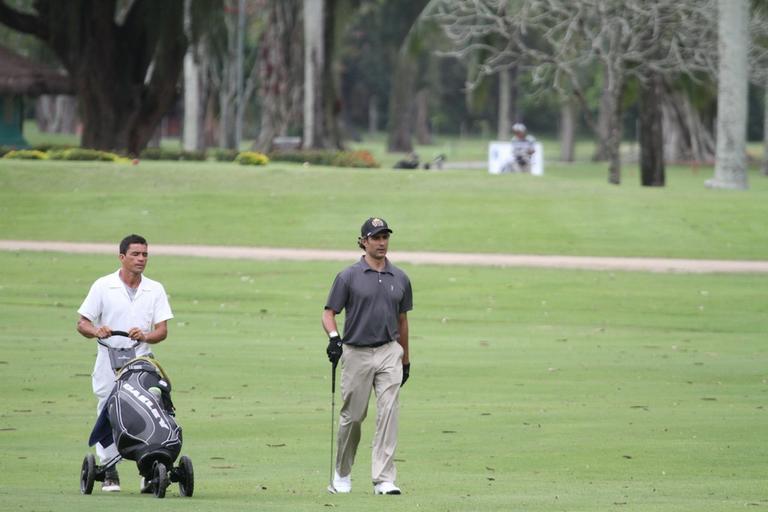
pixel 434 258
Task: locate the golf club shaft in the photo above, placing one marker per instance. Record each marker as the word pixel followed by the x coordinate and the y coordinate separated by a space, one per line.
pixel 333 416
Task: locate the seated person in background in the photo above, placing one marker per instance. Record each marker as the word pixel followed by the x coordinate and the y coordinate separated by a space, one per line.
pixel 522 150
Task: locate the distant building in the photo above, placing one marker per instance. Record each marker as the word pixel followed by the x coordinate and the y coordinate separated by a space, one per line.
pixel 20 77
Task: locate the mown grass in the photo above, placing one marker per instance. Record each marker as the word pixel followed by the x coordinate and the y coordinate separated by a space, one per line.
pixel 530 390
pixel 571 210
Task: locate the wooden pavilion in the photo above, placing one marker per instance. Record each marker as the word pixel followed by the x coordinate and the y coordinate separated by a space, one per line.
pixel 21 77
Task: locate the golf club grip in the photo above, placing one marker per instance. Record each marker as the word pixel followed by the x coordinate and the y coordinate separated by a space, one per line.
pixel 333 377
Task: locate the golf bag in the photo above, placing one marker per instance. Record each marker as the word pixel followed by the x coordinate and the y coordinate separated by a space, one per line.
pixel 138 417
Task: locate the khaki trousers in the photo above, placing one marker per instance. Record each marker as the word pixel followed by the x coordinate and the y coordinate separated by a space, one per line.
pixel 364 369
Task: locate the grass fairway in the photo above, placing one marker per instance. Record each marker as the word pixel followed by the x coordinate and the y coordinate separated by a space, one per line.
pixel 570 211
pixel 530 390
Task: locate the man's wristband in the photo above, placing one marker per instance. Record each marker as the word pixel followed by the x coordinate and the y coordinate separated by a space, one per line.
pixel 333 334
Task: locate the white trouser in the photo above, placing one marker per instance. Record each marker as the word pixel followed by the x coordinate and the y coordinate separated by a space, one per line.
pixel 103 380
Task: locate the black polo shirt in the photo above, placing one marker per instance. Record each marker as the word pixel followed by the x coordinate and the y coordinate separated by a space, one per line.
pixel 372 302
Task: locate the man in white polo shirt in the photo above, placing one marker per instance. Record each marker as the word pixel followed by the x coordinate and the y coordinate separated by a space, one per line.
pixel 125 301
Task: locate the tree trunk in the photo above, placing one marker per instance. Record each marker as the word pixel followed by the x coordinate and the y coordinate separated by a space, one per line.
pixel 405 67
pixel 733 41
pixel 765 132
pixel 192 132
pixel 401 104
pixel 280 71
pixel 45 112
pixel 226 137
pixel 193 103
pixel 122 108
pixel 423 135
pixel 313 72
pixel 652 172
pixel 567 129
pixel 604 116
pixel 227 88
pixel 56 113
pixel 322 106
pixel 612 100
pixel 210 121
pixel 373 115
pixel 686 137
pixel 331 102
pixel 504 104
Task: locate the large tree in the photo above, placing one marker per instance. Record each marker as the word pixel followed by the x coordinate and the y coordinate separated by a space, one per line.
pixel 559 38
pixel 125 59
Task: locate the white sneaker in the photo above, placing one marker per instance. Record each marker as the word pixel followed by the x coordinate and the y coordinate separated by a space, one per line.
pixel 111 480
pixel 341 484
pixel 110 486
pixel 386 488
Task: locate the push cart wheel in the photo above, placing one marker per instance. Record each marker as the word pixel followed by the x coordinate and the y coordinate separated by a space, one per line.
pixel 160 477
pixel 186 477
pixel 87 474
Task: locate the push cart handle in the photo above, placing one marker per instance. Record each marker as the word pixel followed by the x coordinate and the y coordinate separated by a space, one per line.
pixel 117 333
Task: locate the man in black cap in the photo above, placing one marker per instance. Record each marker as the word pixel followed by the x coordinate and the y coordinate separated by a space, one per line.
pixel 376 297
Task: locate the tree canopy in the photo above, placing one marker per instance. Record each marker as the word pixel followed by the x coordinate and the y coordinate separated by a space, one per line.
pixel 123 57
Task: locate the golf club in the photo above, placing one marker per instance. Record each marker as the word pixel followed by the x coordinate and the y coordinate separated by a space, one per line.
pixel 331 489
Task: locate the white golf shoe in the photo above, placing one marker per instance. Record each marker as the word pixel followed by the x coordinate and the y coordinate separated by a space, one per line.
pixel 110 486
pixel 341 484
pixel 111 481
pixel 386 488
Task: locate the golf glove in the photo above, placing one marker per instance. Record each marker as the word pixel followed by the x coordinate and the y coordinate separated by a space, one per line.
pixel 406 373
pixel 334 349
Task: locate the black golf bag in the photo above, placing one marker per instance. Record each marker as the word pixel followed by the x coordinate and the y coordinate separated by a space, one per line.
pixel 141 416
pixel 138 419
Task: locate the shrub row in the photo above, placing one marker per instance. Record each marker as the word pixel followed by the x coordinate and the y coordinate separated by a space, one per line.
pixel 315 157
pixel 330 158
pixel 80 154
pixel 84 154
pixel 26 154
pixel 172 154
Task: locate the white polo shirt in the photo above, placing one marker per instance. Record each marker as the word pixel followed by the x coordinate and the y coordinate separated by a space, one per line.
pixel 108 303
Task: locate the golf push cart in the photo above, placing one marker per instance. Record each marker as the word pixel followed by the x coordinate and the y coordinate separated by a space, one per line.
pixel 138 423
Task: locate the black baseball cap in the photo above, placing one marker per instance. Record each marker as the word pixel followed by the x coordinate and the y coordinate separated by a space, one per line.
pixel 373 226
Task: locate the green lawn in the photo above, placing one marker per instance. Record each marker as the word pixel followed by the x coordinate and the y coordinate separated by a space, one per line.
pixel 571 210
pixel 530 390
